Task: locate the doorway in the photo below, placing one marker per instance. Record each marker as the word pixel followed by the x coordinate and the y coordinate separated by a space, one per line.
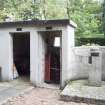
pixel 52 56
pixel 21 55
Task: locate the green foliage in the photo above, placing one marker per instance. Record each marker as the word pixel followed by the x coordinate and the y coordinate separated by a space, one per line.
pixel 85 41
pixel 3 14
pixel 103 19
pixel 23 9
pixel 53 9
pixel 86 13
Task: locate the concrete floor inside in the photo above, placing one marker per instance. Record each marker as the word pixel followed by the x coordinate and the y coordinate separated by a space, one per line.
pixel 13 88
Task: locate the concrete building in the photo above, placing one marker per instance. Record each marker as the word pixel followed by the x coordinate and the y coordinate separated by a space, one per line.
pixel 29 45
pixel 88 62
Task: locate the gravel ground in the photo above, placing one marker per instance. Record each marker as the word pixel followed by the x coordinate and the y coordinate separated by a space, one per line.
pixel 40 96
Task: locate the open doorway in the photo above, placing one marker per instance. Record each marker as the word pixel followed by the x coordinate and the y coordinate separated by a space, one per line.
pixel 21 54
pixel 52 56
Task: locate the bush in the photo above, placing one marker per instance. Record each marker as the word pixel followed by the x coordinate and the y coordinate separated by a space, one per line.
pixel 85 41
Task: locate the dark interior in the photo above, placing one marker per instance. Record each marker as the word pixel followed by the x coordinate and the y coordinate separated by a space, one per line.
pixel 54 53
pixel 21 53
pixel 52 58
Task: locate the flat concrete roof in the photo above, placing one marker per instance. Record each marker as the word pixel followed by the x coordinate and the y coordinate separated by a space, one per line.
pixel 59 22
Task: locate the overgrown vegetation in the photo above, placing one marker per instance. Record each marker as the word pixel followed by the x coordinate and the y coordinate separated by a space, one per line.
pixel 103 19
pixel 86 13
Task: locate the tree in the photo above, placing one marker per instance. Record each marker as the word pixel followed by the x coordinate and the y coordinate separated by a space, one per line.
pixel 103 18
pixel 85 14
pixel 23 9
pixel 3 11
pixel 53 9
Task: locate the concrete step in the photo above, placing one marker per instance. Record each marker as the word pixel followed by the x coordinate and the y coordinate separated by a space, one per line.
pixel 79 91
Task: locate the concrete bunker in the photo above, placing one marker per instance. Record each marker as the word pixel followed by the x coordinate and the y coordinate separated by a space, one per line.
pixel 21 54
pixel 42 33
pixel 51 52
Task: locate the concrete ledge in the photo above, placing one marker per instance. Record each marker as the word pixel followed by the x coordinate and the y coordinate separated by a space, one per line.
pixel 79 91
pixel 82 100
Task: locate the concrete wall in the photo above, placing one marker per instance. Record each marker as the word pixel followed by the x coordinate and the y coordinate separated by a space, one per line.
pixel 67 54
pixel 67 44
pixel 103 63
pixel 34 57
pixel 4 56
pixel 74 59
pixel 80 67
pixel 41 60
pixel 79 63
pixel 6 52
pixel 37 51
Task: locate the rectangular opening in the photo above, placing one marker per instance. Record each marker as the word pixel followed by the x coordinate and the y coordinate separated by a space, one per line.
pixel 52 56
pixel 21 55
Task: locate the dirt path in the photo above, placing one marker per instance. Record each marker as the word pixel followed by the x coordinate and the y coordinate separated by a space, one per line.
pixel 40 96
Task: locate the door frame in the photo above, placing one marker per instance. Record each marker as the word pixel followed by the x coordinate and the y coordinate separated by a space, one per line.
pixel 11 49
pixel 60 52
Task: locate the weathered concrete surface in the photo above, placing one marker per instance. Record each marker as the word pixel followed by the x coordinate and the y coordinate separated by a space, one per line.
pixel 40 96
pixel 13 88
pixel 79 91
pixel 80 66
pixel 36 52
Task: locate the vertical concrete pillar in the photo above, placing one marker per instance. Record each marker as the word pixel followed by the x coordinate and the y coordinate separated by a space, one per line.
pixel 34 57
pixel 67 54
pixel 37 58
pixel 64 57
pixel 10 70
pixel 95 73
pixel 6 60
pixel 41 60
